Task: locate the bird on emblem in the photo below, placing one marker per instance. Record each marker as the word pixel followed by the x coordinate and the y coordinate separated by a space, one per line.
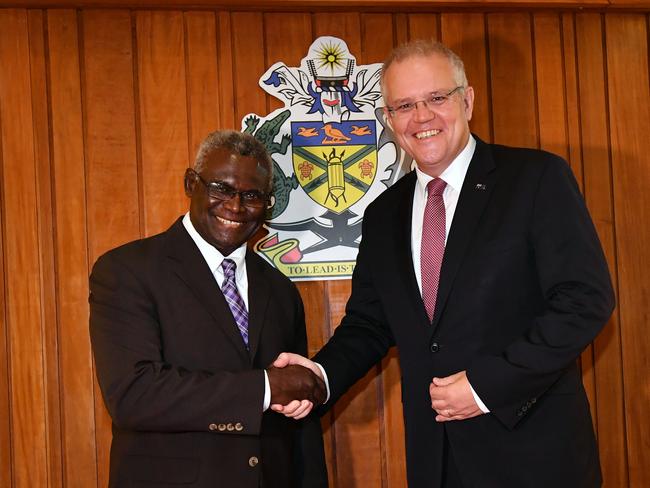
pixel 334 135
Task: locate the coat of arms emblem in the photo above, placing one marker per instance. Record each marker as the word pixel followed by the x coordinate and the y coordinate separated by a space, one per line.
pixel 332 155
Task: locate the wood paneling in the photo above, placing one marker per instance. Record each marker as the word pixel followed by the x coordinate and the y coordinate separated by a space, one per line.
pixel 163 116
pixel 25 341
pixel 101 110
pixel 626 39
pixel 69 191
pixel 512 79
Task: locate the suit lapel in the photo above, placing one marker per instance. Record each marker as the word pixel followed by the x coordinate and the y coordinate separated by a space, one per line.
pixel 188 264
pixel 403 247
pixel 475 193
pixel 258 297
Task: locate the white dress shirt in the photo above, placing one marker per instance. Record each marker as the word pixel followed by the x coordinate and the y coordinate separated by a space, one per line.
pixel 214 259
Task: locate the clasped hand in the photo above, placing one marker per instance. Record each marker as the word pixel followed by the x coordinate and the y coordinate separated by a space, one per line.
pixel 296 385
pixel 452 398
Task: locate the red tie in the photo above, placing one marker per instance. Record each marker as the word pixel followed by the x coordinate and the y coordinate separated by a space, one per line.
pixel 433 243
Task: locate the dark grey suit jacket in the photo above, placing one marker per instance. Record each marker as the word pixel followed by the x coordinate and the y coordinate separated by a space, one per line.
pixel 524 287
pixel 184 394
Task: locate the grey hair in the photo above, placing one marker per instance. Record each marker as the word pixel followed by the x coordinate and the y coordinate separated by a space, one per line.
pixel 425 48
pixel 238 143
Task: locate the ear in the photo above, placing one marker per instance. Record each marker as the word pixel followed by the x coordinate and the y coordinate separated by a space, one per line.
pixel 468 102
pixel 388 119
pixel 189 182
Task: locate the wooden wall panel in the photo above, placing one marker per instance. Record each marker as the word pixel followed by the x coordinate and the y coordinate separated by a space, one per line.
pixel 248 64
pixel 101 111
pixel 629 116
pixel 28 411
pixel 39 79
pixel 225 66
pixel 598 194
pixel 71 249
pixel 163 116
pixel 465 34
pixel 111 161
pixel 202 85
pixel 5 384
pixel 512 79
pixel 423 26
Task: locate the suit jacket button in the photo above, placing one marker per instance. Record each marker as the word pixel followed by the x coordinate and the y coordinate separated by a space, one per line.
pixel 252 461
pixel 239 427
pixel 222 427
pixel 435 347
pixel 519 413
pixel 230 427
pixel 212 426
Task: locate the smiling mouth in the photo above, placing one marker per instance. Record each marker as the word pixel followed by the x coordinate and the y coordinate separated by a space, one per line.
pixel 229 223
pixel 427 133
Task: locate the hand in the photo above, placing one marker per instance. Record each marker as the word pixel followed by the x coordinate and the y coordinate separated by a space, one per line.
pixel 452 399
pixel 295 409
pixel 295 382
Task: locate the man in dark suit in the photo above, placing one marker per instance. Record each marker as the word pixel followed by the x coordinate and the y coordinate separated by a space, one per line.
pixel 183 325
pixel 484 268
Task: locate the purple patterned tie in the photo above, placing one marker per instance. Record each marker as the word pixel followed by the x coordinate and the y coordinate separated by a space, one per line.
pixel 433 243
pixel 234 299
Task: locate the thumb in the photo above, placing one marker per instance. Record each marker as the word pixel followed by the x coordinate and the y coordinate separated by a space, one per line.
pixel 443 381
pixel 282 360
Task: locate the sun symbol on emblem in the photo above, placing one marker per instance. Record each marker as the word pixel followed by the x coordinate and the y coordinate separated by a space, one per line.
pixel 331 55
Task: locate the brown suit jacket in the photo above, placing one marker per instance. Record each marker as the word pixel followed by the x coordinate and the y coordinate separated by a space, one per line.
pixel 184 394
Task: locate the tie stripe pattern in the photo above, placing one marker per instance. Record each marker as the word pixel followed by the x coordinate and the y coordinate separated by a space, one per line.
pixel 234 299
pixel 433 244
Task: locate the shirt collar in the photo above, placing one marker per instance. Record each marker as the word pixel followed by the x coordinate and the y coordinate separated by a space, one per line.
pixel 454 174
pixel 210 253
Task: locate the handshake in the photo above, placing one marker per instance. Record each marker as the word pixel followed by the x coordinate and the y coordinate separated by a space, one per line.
pixel 297 385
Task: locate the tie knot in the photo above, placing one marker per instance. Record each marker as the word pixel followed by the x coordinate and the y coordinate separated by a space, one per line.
pixel 229 268
pixel 436 186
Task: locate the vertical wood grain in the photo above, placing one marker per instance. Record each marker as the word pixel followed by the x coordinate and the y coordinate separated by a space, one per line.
pixel 571 75
pixel 163 116
pixel 5 384
pixel 27 407
pixel 111 159
pixel 225 73
pixel 551 100
pixel 71 250
pixel 629 113
pixel 202 84
pixel 465 35
pixel 423 26
pixel 248 64
pixel 514 117
pixel 39 79
pixel 610 412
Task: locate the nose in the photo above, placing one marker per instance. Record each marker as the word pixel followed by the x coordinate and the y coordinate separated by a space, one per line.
pixel 423 111
pixel 234 204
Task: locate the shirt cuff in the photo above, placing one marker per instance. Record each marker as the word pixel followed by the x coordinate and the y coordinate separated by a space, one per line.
pixel 267 392
pixel 479 402
pixel 327 383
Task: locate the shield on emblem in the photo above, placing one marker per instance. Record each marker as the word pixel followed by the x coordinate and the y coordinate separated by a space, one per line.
pixel 335 163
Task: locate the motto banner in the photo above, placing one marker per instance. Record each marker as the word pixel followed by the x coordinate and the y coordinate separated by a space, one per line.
pixel 332 155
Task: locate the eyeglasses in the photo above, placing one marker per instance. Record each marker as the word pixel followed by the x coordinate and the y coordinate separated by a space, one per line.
pixel 223 191
pixel 433 100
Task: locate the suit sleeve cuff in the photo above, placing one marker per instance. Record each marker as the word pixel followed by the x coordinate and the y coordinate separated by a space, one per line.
pixel 327 383
pixel 478 401
pixel 267 392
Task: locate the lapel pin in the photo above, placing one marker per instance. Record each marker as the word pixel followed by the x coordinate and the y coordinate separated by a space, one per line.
pixel 480 187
